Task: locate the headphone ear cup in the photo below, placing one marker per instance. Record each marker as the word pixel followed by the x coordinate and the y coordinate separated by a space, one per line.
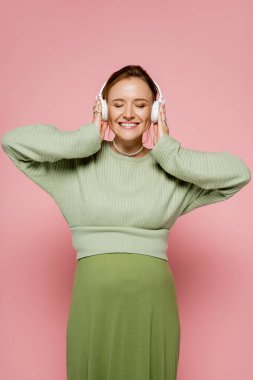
pixel 104 110
pixel 154 111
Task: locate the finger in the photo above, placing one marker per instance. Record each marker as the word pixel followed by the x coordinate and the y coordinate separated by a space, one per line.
pixel 104 128
pixel 97 115
pixel 98 108
pixel 94 108
pixel 166 127
pixel 104 125
pixel 164 112
pixel 95 102
pixel 159 122
pixel 163 120
pixel 155 127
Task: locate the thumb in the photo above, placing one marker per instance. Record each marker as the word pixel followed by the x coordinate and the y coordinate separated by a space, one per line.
pixel 105 125
pixel 155 129
pixel 103 128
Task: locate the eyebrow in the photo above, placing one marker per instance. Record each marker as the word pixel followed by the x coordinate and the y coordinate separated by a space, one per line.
pixel 134 99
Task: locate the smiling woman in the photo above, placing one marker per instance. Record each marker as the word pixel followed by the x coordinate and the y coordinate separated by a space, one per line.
pixel 123 321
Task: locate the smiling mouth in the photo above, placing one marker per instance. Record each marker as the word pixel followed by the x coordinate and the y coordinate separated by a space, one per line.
pixel 128 125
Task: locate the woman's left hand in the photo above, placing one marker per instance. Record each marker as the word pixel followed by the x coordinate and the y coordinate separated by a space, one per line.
pixel 161 127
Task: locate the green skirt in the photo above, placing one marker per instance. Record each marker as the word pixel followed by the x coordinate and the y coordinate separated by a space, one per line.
pixel 123 322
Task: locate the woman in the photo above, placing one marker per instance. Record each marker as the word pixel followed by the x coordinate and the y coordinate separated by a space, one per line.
pixel 120 200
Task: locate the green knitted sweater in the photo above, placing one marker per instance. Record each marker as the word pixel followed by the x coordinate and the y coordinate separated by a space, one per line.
pixel 117 203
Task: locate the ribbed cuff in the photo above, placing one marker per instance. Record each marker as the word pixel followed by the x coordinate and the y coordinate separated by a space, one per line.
pixel 163 149
pixel 91 133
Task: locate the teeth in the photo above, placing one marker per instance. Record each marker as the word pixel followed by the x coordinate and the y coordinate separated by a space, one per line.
pixel 128 125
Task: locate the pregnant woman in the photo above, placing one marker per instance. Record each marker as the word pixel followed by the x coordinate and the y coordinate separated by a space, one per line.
pixel 120 200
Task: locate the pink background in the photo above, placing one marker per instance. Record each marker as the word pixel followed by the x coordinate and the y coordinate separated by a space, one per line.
pixel 55 57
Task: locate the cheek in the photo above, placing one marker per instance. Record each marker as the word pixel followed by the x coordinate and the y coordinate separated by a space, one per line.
pixel 113 112
pixel 146 114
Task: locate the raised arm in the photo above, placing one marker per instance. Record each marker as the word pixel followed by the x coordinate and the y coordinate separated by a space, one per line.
pixel 42 142
pixel 37 150
pixel 215 176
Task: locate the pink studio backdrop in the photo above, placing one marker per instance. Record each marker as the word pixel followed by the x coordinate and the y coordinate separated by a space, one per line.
pixel 55 57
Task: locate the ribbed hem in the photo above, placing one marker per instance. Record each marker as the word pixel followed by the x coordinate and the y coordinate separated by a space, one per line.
pixel 106 239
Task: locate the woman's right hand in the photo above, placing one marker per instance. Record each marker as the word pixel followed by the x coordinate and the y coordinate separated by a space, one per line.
pixel 97 118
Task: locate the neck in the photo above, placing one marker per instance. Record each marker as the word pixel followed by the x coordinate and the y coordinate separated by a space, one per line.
pixel 128 146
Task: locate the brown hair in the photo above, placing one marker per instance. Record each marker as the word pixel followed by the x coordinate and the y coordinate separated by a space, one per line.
pixel 128 72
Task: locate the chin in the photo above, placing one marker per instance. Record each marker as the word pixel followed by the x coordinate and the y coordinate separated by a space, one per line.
pixel 126 137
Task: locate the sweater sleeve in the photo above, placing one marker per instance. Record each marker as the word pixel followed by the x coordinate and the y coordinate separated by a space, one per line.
pixel 38 150
pixel 213 176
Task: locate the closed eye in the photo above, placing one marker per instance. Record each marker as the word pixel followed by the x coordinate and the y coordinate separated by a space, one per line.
pixel 117 106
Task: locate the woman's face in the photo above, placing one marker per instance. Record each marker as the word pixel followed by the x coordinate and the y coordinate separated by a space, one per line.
pixel 130 101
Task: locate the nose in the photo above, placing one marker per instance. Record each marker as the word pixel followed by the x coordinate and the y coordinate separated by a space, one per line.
pixel 128 112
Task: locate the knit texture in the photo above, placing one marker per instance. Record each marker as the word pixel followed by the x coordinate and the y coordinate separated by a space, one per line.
pixel 116 203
